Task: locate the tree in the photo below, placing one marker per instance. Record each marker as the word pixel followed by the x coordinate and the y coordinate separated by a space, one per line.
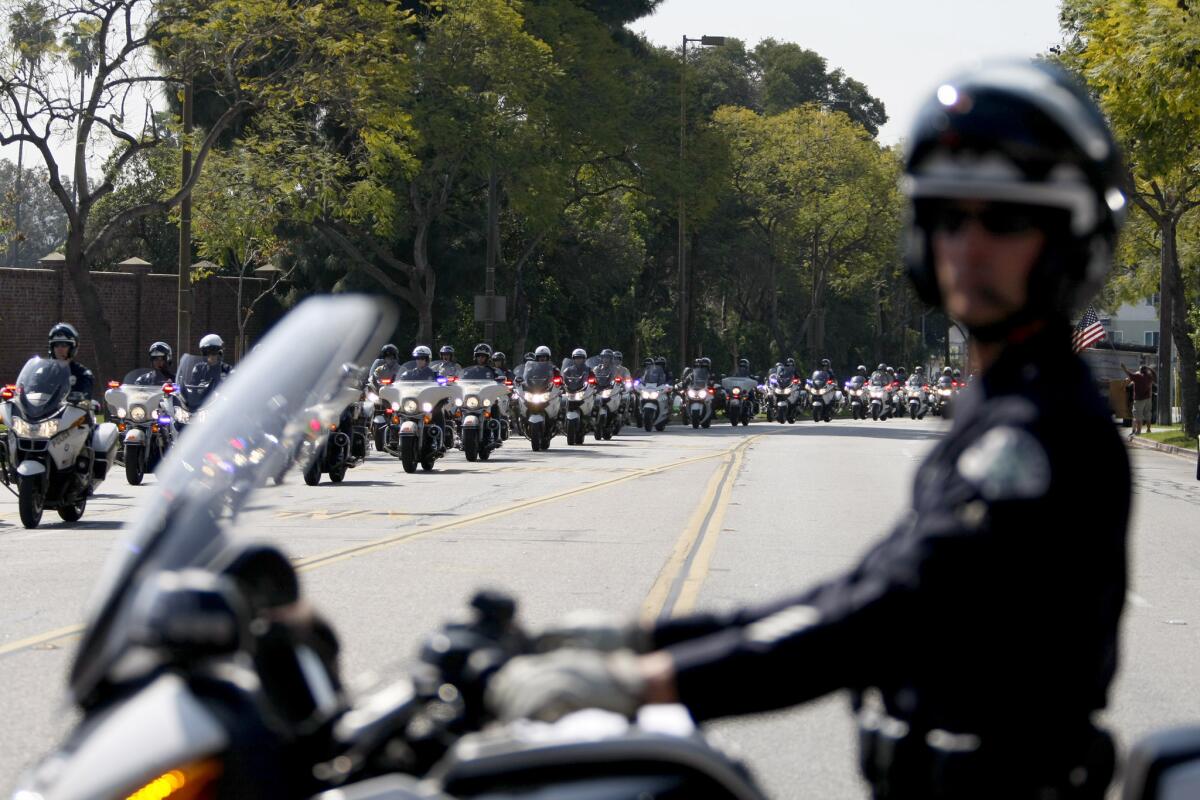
pixel 37 224
pixel 1138 57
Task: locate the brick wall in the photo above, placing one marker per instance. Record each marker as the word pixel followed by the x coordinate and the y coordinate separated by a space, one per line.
pixel 32 300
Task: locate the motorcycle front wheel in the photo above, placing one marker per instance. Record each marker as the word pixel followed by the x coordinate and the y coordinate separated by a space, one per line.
pixel 312 473
pixel 134 471
pixel 338 473
pixel 535 435
pixel 647 420
pixel 471 444
pixel 30 502
pixel 408 453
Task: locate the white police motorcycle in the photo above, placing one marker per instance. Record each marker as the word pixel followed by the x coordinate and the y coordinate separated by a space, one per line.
pixel 144 416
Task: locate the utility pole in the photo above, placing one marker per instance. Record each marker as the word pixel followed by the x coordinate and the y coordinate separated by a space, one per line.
pixel 685 282
pixel 183 327
pixel 493 226
pixel 1165 290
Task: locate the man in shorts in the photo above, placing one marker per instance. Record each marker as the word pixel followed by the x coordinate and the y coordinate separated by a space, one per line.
pixel 1143 385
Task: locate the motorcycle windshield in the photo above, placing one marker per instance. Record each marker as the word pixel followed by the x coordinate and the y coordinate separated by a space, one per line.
pixel 539 375
pixel 946 382
pixel 447 369
pixel 574 380
pixel 654 376
pixel 42 386
pixel 914 382
pixel 197 378
pixel 411 372
pixel 381 370
pixel 820 377
pixel 856 383
pixel 147 375
pixel 285 392
pixel 478 373
pixel 785 375
pixel 604 376
pixel 701 376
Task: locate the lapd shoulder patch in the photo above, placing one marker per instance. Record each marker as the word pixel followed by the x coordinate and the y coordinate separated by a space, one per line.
pixel 1006 464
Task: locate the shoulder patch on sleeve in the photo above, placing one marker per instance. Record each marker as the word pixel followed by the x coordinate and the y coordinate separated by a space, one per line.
pixel 1006 464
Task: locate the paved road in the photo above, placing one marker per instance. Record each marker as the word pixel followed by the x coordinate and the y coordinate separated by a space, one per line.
pixel 643 525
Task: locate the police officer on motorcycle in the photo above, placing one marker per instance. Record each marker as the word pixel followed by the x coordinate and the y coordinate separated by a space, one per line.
pixel 661 361
pixel 160 361
pixel 500 367
pixel 213 367
pixel 421 371
pixel 448 366
pixel 578 365
pixel 966 682
pixel 483 358
pixel 743 369
pixel 388 362
pixel 63 342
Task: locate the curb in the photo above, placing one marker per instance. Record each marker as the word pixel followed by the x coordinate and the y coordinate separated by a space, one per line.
pixel 1162 448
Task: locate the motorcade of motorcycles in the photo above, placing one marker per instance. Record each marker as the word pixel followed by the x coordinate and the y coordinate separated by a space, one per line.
pixel 783 388
pixel 858 395
pixel 698 396
pixel 739 399
pixel 196 382
pixel 420 427
pixel 539 403
pixel 654 398
pixel 53 451
pixel 579 401
pixel 484 412
pixel 143 414
pixel 342 445
pixel 202 673
pixel 823 396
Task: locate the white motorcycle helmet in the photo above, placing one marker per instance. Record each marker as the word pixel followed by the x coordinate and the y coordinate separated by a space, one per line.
pixel 541 351
pixel 211 342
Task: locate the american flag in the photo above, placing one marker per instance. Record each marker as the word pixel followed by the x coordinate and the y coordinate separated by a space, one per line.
pixel 1088 331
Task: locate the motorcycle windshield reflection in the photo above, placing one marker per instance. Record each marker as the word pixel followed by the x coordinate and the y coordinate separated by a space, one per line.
pixel 945 381
pixel 604 376
pixel 701 376
pixel 212 472
pixel 42 386
pixel 820 377
pixel 147 376
pixel 539 375
pixel 478 373
pixel 857 382
pixel 574 380
pixel 654 376
pixel 785 374
pixel 447 369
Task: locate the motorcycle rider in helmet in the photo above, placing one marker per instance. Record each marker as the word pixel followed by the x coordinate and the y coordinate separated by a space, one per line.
pixel 966 683
pixel 213 367
pixel 500 366
pixel 160 361
pixel 63 342
pixel 483 358
pixel 743 369
pixel 447 365
pixel 577 366
pixel 661 361
pixel 388 363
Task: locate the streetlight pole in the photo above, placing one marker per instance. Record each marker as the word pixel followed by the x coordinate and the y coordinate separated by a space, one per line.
pixel 685 289
pixel 183 320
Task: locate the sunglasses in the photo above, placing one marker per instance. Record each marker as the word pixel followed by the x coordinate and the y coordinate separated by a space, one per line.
pixel 998 219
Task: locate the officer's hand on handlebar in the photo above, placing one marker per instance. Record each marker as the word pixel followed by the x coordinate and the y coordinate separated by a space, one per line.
pixel 548 687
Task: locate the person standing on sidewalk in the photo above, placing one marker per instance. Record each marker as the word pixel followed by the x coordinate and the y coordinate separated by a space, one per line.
pixel 1143 387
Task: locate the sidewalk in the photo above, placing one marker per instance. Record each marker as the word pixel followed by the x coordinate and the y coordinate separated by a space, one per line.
pixel 1149 444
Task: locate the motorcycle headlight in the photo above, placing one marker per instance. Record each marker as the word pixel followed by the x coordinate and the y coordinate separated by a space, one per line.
pixel 137 414
pixel 472 402
pixel 181 415
pixel 21 427
pixel 120 413
pixel 409 406
pixel 48 428
pixel 606 394
pixel 650 395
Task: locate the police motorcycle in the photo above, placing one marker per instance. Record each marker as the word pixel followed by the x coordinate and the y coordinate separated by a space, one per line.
pixel 143 414
pixel 698 398
pixel 380 374
pixel 484 412
pixel 654 398
pixel 539 403
pixel 942 397
pixel 53 451
pixel 879 391
pixel 342 445
pixel 739 399
pixel 823 393
pixel 610 389
pixel 783 389
pixel 917 394
pixel 579 394
pixel 858 395
pixel 196 383
pixel 201 673
pixel 420 427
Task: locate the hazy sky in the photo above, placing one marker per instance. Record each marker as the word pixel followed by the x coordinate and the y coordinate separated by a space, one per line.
pixel 899 48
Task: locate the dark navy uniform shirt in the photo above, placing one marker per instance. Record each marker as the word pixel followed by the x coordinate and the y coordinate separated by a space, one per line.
pixel 990 609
